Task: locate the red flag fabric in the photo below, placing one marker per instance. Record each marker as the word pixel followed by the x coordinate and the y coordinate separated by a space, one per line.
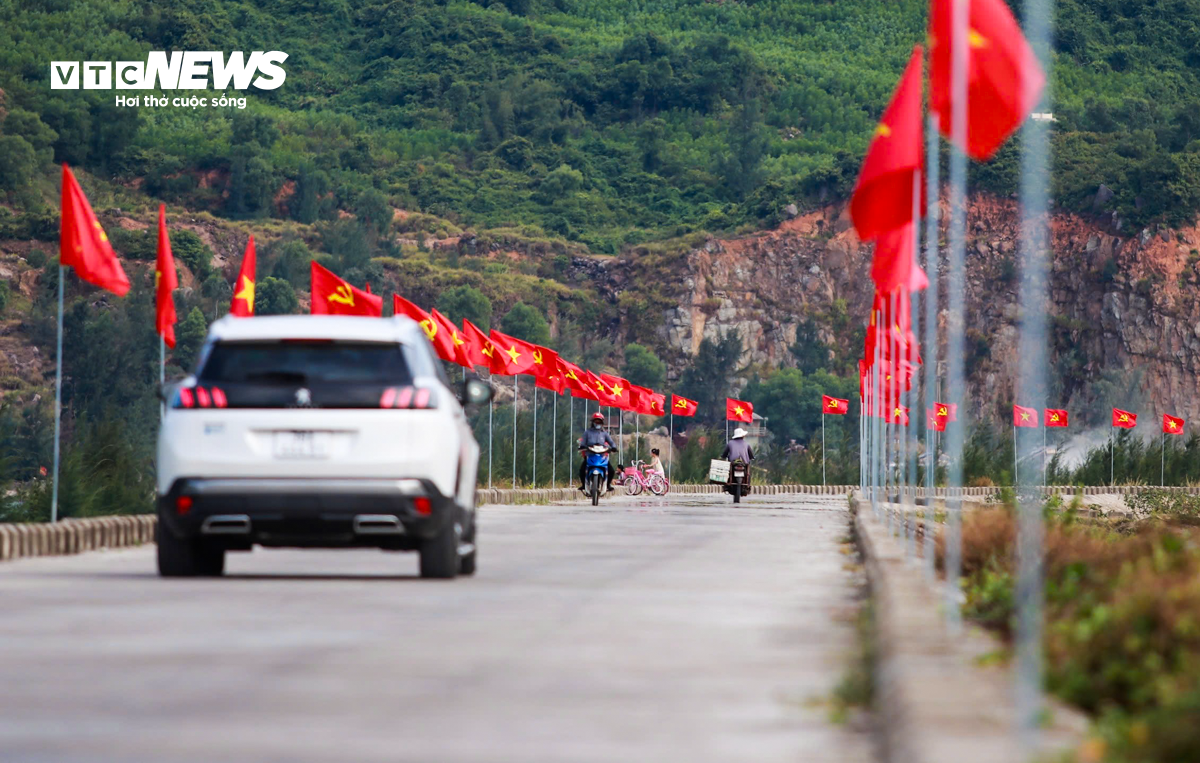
pixel 883 195
pixel 619 388
pixel 1055 417
pixel 574 380
pixel 333 296
pixel 545 363
pixel 515 355
pixel 894 265
pixel 834 405
pixel 897 414
pixel 401 306
pixel 83 244
pixel 681 406
pixel 165 282
pixel 1172 425
pixel 452 340
pixel 1123 419
pixel 552 380
pixel 602 391
pixel 1004 78
pixel 739 410
pixel 656 405
pixel 947 411
pixel 935 422
pixel 242 304
pixel 480 349
pixel 1024 417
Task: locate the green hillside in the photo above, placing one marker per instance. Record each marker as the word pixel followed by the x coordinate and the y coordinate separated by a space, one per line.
pixel 605 121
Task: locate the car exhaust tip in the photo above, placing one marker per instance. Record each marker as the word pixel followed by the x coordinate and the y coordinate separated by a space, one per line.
pixel 377 524
pixel 226 524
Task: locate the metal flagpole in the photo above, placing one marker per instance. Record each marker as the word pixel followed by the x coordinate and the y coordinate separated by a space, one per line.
pixel 554 444
pixel 491 410
pixel 1162 460
pixel 1112 458
pixel 621 434
pixel 534 459
pixel 62 271
pixel 822 448
pixel 932 212
pixel 956 304
pixel 1016 482
pixel 162 373
pixel 637 435
pixel 671 437
pixel 1044 477
pixel 571 435
pixel 514 479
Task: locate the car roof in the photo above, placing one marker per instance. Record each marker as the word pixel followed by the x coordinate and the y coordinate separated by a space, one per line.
pixel 344 327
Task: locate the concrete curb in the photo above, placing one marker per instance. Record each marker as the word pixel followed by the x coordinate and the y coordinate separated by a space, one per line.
pixel 935 703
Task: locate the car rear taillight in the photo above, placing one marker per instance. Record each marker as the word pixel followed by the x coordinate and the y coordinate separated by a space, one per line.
pixel 423 505
pixel 419 398
pixel 183 504
pixel 201 397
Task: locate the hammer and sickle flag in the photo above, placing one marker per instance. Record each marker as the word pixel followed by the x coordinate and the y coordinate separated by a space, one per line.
pixel 1056 417
pixel 451 346
pixel 480 350
pixel 333 296
pixel 1123 419
pixel 681 406
pixel 834 405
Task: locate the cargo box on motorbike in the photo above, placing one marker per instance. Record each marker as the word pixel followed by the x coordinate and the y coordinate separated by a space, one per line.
pixel 718 471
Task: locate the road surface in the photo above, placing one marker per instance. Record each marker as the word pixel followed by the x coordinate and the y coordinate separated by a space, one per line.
pixel 678 630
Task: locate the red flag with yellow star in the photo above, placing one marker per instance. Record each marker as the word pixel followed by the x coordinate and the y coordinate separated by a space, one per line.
pixel 883 195
pixel 739 410
pixel 333 296
pixel 1172 425
pixel 601 390
pixel 1004 78
pixel 1024 417
pixel 242 304
pixel 83 244
pixel 166 280
pixel 516 356
pixel 620 390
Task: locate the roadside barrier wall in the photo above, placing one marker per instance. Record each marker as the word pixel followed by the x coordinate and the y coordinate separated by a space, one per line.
pixel 75 536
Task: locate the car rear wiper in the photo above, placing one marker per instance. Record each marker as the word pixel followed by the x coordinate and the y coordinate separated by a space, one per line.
pixel 283 377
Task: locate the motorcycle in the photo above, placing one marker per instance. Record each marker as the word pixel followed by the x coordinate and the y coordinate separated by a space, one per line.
pixel 738 483
pixel 596 474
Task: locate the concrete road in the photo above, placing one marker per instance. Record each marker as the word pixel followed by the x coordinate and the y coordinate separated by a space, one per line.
pixel 684 630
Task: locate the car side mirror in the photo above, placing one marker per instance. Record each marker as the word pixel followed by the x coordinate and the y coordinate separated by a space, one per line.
pixel 475 392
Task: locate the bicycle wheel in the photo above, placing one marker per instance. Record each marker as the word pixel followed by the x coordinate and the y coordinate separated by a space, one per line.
pixel 658 484
pixel 633 486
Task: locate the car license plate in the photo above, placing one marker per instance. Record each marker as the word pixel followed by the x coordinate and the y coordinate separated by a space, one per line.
pixel 301 444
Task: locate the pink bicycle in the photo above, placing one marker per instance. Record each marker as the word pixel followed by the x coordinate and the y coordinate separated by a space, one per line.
pixel 636 480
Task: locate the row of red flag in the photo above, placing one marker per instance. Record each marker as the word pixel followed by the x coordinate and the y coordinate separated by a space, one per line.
pixel 85 247
pixel 1003 83
pixel 1028 417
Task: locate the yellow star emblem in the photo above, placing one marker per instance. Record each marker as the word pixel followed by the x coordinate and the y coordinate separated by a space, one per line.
pixel 617 390
pixel 246 292
pixel 883 131
pixel 512 353
pixel 739 411
pixel 1024 416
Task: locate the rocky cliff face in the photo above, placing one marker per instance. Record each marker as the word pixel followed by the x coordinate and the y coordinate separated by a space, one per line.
pixel 1123 308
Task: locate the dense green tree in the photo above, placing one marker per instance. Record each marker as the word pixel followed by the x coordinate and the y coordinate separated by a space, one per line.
pixel 189 337
pixel 525 322
pixel 708 379
pixel 642 366
pixel 810 352
pixel 464 301
pixel 274 296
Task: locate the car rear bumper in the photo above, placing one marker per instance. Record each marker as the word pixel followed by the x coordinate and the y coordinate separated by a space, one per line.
pixel 237 513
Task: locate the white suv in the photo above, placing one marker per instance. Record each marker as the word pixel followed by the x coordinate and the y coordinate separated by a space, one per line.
pixel 317 431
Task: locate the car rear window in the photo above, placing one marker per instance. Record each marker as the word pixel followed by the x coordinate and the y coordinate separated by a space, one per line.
pixel 306 363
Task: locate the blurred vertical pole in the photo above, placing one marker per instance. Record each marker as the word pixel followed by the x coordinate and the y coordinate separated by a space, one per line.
pixel 570 426
pixel 876 424
pixel 822 447
pixel 914 302
pixel 514 479
pixel 58 364
pixel 491 410
pixel 671 437
pixel 534 458
pixel 1034 372
pixel 956 306
pixel 162 373
pixel 932 212
pixel 554 444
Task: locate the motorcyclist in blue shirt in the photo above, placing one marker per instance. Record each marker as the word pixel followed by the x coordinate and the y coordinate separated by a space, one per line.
pixel 595 435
